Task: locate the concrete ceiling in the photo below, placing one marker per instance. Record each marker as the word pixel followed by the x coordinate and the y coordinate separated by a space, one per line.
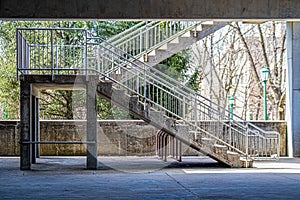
pixel 151 9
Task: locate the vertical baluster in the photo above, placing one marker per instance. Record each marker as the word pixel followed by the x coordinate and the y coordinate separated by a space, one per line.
pixel 159 32
pixel 157 94
pixel 154 35
pixel 36 42
pixel 141 41
pixel 195 111
pixel 147 36
pixel 161 98
pixel 183 107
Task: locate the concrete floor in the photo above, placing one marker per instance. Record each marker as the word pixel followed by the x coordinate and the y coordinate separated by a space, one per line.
pixel 148 178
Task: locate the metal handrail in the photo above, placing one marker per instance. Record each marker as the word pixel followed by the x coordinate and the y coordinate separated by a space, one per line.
pixel 126 32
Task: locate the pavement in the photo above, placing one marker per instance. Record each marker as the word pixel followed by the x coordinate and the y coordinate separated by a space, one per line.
pixel 148 178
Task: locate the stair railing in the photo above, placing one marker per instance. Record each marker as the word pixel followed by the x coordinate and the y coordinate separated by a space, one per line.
pixel 148 36
pixel 178 101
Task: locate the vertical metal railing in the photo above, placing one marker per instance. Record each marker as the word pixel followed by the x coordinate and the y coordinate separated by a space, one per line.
pixel 147 36
pixel 59 51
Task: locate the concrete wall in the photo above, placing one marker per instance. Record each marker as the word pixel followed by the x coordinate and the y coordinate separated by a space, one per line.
pixel 115 138
pixel 150 9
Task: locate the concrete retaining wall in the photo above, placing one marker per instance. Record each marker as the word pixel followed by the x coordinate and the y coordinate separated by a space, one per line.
pixel 115 138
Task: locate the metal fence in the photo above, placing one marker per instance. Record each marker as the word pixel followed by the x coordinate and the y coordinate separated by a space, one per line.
pixel 59 51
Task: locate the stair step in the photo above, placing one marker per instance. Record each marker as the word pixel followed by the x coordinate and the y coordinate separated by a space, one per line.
pixel 163 47
pixel 152 53
pixel 186 34
pixel 234 158
pixel 246 163
pixel 208 23
pixel 220 149
pixel 175 41
pixel 206 139
pixel 198 28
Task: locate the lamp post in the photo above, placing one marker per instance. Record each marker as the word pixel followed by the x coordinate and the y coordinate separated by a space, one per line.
pixel 5 114
pixel 264 76
pixel 251 114
pixel 231 103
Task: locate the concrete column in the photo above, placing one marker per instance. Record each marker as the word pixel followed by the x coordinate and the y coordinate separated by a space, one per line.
pixel 25 149
pixel 293 88
pixel 33 129
pixel 92 149
pixel 38 135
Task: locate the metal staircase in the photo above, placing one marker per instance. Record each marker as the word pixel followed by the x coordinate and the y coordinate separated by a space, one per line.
pixel 147 93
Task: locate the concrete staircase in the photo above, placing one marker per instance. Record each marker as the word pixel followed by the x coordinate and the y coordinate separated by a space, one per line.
pixel 147 93
pixel 170 126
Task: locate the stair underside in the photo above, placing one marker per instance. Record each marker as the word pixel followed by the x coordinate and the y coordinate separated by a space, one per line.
pixel 182 43
pixel 168 125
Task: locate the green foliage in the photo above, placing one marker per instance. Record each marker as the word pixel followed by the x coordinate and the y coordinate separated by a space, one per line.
pixel 176 66
pixel 194 82
pixel 54 104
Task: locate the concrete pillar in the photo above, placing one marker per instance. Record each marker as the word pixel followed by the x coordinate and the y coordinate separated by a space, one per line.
pixel 33 128
pixel 38 135
pixel 25 149
pixel 92 149
pixel 293 88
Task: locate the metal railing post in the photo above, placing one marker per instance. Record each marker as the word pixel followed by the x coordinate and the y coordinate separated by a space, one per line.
pixel 18 51
pixel 246 141
pixel 183 108
pixel 145 85
pixel 147 36
pixel 85 55
pixel 278 146
pixel 52 54
pixel 230 131
pixel 195 111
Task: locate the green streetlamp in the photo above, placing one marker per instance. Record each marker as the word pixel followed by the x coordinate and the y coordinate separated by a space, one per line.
pixel 251 114
pixel 264 76
pixel 5 114
pixel 231 103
